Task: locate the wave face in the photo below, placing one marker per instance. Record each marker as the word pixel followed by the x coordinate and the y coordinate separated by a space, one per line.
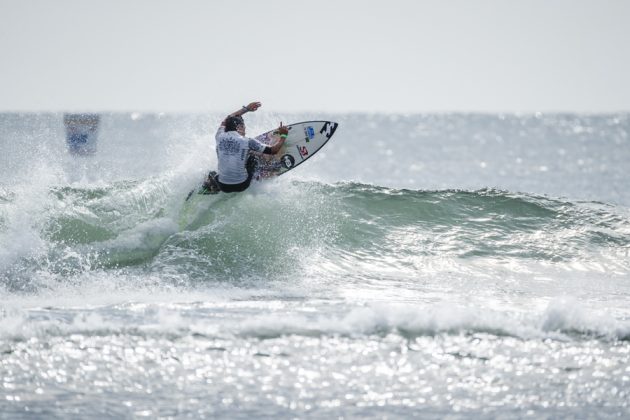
pixel 456 264
pixel 345 225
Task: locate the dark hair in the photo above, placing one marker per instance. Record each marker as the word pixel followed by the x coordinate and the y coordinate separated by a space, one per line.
pixel 232 122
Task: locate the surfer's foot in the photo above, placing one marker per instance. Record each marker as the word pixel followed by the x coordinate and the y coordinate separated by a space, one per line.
pixel 210 186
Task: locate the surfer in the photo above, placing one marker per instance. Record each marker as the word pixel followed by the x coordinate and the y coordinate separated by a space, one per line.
pixel 236 166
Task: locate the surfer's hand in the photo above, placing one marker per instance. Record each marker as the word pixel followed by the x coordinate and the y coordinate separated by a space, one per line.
pixel 253 106
pixel 283 129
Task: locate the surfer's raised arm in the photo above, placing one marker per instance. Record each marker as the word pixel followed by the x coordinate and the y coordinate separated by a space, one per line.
pixel 253 106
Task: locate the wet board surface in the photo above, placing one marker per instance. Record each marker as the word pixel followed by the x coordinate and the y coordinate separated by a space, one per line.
pixel 303 141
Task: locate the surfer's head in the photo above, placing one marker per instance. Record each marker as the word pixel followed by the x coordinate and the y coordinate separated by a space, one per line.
pixel 235 124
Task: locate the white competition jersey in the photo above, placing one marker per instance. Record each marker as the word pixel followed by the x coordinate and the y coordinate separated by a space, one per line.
pixel 232 152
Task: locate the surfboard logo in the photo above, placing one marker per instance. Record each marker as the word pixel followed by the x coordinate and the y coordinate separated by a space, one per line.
pixel 303 151
pixel 309 133
pixel 328 129
pixel 287 161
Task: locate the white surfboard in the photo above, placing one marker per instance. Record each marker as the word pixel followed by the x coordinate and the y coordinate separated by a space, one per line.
pixel 303 141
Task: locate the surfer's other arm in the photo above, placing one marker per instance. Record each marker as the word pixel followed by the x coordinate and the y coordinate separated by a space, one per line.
pixel 253 106
pixel 282 131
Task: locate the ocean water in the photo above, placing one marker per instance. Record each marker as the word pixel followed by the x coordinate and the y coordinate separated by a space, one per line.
pixel 430 266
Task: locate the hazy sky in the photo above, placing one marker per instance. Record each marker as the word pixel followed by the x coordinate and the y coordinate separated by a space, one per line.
pixel 323 55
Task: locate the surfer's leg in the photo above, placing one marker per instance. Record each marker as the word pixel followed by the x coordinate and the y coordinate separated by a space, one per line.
pixel 230 188
pixel 211 185
pixel 251 166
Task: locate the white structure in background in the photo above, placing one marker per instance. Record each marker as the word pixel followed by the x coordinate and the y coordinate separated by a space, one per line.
pixel 81 133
